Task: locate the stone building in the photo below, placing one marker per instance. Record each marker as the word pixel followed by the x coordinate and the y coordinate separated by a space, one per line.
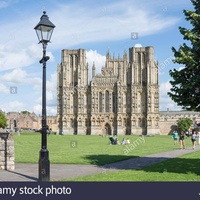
pixel 29 121
pixel 52 123
pixel 22 121
pixel 123 99
pixel 168 120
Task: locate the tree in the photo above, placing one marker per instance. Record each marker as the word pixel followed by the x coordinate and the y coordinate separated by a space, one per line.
pixel 25 112
pixel 184 124
pixel 185 89
pixel 3 120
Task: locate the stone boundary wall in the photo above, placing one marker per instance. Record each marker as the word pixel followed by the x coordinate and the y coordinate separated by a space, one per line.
pixel 7 161
pixel 168 120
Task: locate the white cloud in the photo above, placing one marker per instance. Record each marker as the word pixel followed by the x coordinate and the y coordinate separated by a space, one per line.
pixel 4 89
pixel 37 109
pixel 13 106
pixel 165 101
pixel 180 68
pixel 51 97
pixel 98 59
pixel 51 110
pixel 52 90
pixel 116 22
pixel 20 76
pixel 138 45
pixel 15 76
pixel 14 56
pixel 164 88
pixel 52 83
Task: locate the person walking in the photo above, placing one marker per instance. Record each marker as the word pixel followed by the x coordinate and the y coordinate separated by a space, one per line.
pixel 175 137
pixel 198 136
pixel 182 140
pixel 193 139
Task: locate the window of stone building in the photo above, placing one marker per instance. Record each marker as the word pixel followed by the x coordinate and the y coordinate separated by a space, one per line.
pixel 76 60
pixel 107 101
pixel 114 102
pixel 72 123
pixel 100 102
pixel 139 122
pixel 71 60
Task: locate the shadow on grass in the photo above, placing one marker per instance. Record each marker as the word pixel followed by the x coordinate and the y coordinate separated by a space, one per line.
pixel 105 159
pixel 147 164
pixel 176 165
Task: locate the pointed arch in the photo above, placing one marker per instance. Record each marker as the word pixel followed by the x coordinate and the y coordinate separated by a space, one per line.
pixel 107 101
pixel 100 102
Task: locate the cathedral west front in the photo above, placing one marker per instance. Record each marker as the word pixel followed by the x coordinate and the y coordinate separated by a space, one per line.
pixel 122 99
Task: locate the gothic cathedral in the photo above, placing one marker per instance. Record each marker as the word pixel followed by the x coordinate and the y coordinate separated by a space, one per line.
pixel 123 99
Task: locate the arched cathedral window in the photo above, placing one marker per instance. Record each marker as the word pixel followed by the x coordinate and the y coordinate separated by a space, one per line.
pixel 107 101
pixel 114 102
pixel 100 102
pixel 76 60
pixel 71 60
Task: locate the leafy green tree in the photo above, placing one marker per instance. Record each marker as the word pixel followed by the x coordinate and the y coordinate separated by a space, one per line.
pixel 185 89
pixel 25 112
pixel 184 124
pixel 3 120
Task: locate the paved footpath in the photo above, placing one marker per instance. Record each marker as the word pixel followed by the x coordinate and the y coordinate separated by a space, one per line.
pixel 29 172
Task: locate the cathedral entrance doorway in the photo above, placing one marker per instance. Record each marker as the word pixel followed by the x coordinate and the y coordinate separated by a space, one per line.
pixel 108 129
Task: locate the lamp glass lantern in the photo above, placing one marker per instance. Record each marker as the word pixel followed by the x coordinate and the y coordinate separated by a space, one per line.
pixel 44 29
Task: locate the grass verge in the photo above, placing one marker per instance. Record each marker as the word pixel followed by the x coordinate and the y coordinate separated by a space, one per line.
pixel 184 168
pixel 77 149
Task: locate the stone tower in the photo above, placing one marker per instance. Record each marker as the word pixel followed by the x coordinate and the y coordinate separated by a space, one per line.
pixel 143 80
pixel 72 92
pixel 123 99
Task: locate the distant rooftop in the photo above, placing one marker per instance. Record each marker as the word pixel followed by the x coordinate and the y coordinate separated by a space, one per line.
pixel 179 112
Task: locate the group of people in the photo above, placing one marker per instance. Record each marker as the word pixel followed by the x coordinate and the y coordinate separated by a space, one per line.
pixel 114 140
pixel 125 141
pixel 182 135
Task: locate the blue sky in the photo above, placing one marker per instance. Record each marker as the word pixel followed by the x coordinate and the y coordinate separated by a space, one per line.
pixel 93 25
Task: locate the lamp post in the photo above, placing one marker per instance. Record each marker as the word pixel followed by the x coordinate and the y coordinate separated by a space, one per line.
pixel 44 30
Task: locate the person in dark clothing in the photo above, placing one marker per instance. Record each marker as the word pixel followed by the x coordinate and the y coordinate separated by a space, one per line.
pixel 193 138
pixel 182 140
pixel 112 140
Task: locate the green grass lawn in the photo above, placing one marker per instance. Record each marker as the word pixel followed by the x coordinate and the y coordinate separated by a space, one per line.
pixel 184 168
pixel 77 149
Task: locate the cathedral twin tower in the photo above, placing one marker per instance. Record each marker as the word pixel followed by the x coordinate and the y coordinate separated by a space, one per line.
pixel 123 99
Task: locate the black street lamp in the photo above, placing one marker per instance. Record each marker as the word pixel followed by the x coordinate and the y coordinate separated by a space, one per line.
pixel 44 30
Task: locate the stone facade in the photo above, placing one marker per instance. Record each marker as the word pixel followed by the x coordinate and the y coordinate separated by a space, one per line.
pixel 123 99
pixel 22 120
pixel 7 151
pixel 29 121
pixel 52 123
pixel 168 120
